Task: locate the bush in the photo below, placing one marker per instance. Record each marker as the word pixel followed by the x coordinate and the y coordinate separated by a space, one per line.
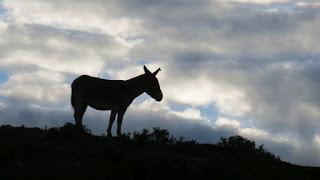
pixel 158 135
pixel 68 131
pixel 142 137
pixel 161 136
pixel 241 144
pixel 237 142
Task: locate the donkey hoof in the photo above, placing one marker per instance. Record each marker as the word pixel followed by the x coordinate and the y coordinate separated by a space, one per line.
pixel 81 129
pixel 109 135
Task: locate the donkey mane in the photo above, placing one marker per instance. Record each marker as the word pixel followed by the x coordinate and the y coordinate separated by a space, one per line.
pixel 136 80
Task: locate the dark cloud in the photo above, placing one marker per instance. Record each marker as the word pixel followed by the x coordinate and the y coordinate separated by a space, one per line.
pixel 256 63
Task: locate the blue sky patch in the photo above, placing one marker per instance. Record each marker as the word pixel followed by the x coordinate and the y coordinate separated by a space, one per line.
pixel 3 77
pixel 209 112
pixel 2 10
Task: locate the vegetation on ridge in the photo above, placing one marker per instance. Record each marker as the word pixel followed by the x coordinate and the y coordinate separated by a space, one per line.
pixel 65 152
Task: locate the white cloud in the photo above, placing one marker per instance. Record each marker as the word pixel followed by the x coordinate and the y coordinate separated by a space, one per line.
pixel 203 91
pixel 135 70
pixel 257 134
pixel 310 111
pixel 316 141
pixel 305 4
pixel 2 105
pixel 256 1
pixel 150 105
pixel 225 122
pixel 78 14
pixel 163 108
pixel 43 87
pixel 250 61
pixel 189 113
pixel 253 133
pixel 3 26
pixel 59 50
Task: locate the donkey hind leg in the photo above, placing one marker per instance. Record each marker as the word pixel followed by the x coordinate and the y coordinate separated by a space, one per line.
pixel 79 111
pixel 112 118
pixel 119 120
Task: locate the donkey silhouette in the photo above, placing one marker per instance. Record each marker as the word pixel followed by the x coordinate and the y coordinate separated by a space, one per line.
pixel 114 95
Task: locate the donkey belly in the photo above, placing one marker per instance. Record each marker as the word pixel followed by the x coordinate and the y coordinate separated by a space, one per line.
pixel 107 103
pixel 100 106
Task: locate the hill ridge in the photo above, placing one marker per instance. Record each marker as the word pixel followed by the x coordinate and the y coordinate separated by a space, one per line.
pixel 65 152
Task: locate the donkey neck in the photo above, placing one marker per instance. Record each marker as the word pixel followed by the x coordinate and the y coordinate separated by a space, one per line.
pixel 136 85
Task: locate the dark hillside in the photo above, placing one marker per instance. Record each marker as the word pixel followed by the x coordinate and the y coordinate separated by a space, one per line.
pixel 61 153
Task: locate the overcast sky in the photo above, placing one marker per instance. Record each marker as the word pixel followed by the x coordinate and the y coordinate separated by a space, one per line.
pixel 247 67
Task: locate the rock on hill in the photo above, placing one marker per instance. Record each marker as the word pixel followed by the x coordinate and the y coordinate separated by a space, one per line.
pixel 61 153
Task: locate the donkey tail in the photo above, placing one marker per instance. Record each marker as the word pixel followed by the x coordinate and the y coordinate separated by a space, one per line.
pixel 73 95
pixel 72 99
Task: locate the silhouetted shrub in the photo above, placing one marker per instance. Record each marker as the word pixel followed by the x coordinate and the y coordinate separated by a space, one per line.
pixel 68 131
pixel 192 142
pixel 141 137
pixel 161 136
pixel 6 126
pixel 241 144
pixel 266 154
pixel 237 142
pixel 126 136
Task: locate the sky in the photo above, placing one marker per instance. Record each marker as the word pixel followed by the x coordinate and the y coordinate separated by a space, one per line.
pixel 229 67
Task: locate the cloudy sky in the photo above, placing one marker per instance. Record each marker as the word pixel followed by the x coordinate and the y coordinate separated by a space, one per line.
pixel 247 67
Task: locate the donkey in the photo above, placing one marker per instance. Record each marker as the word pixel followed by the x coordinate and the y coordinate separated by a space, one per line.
pixel 114 95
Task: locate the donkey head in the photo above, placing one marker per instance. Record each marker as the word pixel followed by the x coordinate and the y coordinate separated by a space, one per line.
pixel 152 84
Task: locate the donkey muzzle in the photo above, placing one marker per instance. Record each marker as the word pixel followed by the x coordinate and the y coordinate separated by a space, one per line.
pixel 159 97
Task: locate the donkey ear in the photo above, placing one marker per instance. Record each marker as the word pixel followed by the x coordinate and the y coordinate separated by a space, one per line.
pixel 146 70
pixel 156 72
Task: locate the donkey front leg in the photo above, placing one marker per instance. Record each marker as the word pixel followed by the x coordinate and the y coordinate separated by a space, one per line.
pixel 112 118
pixel 119 120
